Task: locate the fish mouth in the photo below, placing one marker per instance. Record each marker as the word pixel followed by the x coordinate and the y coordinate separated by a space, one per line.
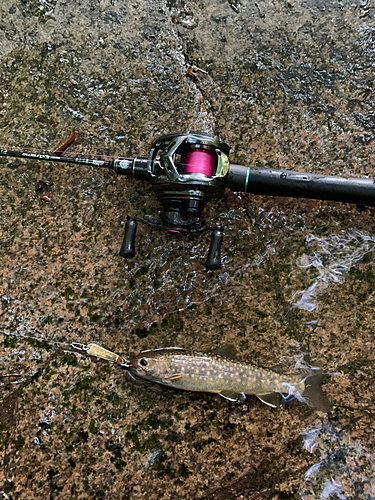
pixel 132 368
pixel 136 370
pixel 133 371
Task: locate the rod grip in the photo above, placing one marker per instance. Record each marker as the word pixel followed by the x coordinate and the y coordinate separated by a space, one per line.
pixel 271 182
pixel 213 260
pixel 127 249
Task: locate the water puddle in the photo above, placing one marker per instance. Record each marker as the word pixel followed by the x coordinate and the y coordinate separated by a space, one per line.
pixel 327 261
pixel 167 283
pixel 345 468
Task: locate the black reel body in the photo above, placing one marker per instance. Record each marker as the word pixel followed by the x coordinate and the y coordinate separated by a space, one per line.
pixel 186 171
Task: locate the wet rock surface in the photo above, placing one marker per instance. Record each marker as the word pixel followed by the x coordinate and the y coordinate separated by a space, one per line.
pixel 288 85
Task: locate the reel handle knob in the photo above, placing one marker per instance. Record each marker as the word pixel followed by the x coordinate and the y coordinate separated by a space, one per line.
pixel 213 260
pixel 127 249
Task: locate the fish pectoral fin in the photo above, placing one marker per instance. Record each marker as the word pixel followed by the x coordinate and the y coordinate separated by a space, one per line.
pixel 174 378
pixel 235 397
pixel 272 399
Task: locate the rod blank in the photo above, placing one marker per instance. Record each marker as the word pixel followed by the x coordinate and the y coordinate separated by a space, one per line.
pixel 61 159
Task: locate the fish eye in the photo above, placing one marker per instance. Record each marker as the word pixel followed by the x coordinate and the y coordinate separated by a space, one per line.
pixel 143 362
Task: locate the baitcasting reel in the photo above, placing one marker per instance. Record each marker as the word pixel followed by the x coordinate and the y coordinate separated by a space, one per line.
pixel 189 169
pixel 186 171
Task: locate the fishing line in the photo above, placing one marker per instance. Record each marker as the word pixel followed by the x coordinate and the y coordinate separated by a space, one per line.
pixel 199 161
pixel 91 349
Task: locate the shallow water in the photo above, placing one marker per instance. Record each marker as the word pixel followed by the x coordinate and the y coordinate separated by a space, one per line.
pixel 288 85
pixel 342 462
pixel 332 258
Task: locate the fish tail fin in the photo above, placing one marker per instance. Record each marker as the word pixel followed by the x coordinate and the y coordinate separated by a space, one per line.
pixel 313 395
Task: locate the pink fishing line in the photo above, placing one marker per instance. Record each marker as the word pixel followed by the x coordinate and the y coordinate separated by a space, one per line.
pixel 199 161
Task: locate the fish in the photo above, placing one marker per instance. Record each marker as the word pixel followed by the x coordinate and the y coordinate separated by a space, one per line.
pixel 179 368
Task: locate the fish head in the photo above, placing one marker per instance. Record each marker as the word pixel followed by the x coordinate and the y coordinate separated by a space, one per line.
pixel 152 365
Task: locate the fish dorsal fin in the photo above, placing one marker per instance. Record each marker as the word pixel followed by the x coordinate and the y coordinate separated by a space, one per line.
pixel 177 350
pixel 272 399
pixel 277 369
pixel 234 397
pixel 226 351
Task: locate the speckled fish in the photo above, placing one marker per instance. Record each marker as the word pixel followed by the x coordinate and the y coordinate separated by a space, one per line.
pixel 181 369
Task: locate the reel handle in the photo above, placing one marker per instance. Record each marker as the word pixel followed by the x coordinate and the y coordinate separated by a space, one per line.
pixel 213 261
pixel 127 249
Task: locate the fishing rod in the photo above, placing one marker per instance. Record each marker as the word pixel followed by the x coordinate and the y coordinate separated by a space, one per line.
pixel 189 169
